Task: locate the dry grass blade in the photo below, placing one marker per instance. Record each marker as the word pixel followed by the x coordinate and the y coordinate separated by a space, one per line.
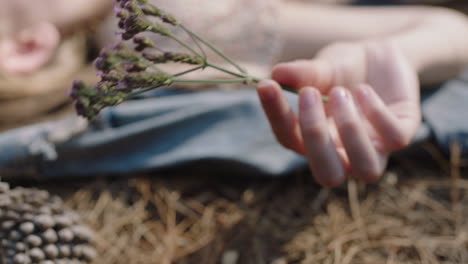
pixel 409 217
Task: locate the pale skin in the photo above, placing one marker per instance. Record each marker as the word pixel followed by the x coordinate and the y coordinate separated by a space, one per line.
pixel 370 62
pixel 30 31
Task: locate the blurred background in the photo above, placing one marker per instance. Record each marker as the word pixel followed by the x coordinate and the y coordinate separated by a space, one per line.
pixel 418 212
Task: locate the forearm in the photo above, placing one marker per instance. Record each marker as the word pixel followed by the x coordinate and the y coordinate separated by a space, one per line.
pixel 437 46
pixel 433 39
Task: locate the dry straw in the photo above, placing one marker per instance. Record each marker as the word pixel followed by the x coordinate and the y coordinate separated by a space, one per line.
pixel 414 215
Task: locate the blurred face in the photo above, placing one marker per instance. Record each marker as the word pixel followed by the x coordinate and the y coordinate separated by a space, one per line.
pixel 30 30
pixel 15 14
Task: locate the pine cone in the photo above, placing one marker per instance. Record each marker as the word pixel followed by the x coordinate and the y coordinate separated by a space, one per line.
pixel 37 228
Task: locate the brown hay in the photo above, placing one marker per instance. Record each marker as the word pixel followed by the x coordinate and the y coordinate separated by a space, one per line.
pixel 411 216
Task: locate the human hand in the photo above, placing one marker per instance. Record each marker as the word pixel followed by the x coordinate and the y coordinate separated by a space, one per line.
pixel 373 109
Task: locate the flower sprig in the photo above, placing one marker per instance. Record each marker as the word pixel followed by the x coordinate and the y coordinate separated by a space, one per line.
pixel 126 72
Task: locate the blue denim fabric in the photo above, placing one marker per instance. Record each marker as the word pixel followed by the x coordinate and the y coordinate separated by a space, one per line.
pixel 225 129
pixel 445 113
pixel 219 131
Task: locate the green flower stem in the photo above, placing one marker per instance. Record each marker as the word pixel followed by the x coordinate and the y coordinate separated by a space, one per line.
pixel 189 71
pixel 325 99
pixel 244 77
pixel 183 44
pixel 144 90
pixel 204 56
pixel 213 48
pixel 251 79
pixel 227 71
pixel 228 81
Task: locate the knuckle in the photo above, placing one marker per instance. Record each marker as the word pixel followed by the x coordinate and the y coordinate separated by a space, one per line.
pixel 374 113
pixel 315 133
pixel 349 127
pixel 345 74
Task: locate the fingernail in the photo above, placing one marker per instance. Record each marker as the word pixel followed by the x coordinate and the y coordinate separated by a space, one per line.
pixel 308 98
pixel 342 96
pixel 265 91
pixel 264 84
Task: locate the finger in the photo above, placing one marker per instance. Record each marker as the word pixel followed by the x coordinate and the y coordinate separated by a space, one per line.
pixel 395 130
pixel 301 73
pixel 282 118
pixel 365 163
pixel 335 137
pixel 323 158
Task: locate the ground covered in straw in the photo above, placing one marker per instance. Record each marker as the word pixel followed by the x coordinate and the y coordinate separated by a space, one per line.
pixel 418 213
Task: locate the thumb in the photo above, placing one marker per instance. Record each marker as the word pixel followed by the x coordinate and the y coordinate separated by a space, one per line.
pixel 297 74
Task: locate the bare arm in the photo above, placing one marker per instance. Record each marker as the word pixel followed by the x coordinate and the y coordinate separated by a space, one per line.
pixel 435 40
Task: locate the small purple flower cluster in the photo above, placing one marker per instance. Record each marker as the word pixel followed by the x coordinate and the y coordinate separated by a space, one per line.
pixel 127 72
pixel 174 57
pixel 132 18
pixel 124 71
